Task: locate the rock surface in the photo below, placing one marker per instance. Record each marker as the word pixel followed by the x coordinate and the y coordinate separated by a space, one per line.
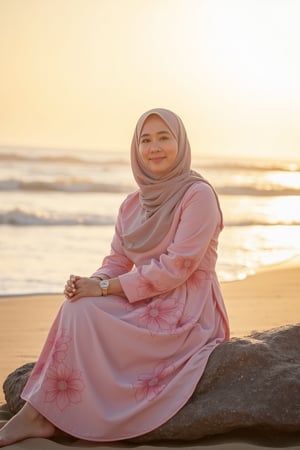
pixel 250 383
pixel 13 387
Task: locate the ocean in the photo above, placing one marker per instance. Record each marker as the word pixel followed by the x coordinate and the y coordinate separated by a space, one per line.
pixel 58 209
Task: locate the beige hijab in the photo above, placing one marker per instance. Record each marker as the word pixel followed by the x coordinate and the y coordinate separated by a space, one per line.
pixel 159 196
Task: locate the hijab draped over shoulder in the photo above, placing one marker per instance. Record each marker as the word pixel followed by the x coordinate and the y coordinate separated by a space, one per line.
pixel 160 196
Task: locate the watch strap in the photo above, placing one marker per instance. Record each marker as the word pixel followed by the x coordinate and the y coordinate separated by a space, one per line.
pixel 104 285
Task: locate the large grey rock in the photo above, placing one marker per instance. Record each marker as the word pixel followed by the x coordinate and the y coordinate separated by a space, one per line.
pixel 13 387
pixel 250 384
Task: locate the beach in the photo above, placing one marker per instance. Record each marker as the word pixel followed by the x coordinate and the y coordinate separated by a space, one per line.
pixel 63 204
pixel 265 300
pixel 76 78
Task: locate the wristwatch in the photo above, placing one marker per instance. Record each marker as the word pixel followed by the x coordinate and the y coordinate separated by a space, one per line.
pixel 104 284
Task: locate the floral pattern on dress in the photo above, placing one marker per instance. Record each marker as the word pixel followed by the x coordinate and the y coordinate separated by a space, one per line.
pixel 196 279
pixel 63 386
pixel 145 286
pixel 57 348
pixel 60 347
pixel 161 315
pixel 149 385
pixel 183 264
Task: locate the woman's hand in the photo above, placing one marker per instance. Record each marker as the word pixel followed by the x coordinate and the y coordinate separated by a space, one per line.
pixel 70 286
pixel 78 287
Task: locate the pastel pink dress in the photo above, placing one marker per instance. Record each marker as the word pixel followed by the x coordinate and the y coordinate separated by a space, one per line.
pixel 113 367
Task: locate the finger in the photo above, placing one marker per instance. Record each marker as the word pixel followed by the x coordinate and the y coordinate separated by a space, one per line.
pixel 69 290
pixel 74 298
pixel 74 277
pixel 78 295
pixel 71 284
pixel 72 287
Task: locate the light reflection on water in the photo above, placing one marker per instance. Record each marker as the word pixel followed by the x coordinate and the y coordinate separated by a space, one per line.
pixel 43 238
pixel 38 259
pixel 246 250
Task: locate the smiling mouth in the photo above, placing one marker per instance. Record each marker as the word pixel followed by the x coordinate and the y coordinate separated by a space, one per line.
pixel 157 159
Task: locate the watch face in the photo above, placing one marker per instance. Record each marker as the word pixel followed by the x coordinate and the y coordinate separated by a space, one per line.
pixel 104 283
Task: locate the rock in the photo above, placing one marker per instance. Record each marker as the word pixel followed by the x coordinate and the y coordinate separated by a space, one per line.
pixel 13 387
pixel 250 383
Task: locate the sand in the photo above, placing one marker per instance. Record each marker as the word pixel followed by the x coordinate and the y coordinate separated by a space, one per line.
pixel 263 301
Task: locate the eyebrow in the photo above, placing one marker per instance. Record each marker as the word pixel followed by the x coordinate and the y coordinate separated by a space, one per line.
pixel 159 132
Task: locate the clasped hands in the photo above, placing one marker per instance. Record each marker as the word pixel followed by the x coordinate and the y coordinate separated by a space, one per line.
pixel 77 287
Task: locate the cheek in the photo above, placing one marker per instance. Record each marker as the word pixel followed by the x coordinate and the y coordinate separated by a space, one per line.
pixel 174 152
pixel 142 152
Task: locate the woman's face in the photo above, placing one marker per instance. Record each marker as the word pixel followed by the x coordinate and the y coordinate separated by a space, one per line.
pixel 158 147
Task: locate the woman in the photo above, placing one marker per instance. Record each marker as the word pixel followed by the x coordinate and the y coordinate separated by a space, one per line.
pixel 130 343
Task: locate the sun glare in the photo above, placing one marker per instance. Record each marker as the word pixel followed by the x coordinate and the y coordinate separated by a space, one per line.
pixel 286 180
pixel 282 210
pixel 230 69
pixel 252 44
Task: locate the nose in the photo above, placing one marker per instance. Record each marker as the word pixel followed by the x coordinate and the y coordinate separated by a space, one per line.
pixel 154 145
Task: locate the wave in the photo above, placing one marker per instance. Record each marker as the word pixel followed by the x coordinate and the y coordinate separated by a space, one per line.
pixel 63 186
pixel 257 223
pixel 57 159
pixel 85 186
pixel 256 166
pixel 257 191
pixel 64 158
pixel 101 157
pixel 19 217
pixel 24 218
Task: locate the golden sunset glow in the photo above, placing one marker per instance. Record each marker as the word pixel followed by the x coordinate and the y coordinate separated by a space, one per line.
pixel 78 74
pixel 284 180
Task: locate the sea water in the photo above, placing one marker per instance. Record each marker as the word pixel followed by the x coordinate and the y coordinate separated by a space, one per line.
pixel 58 208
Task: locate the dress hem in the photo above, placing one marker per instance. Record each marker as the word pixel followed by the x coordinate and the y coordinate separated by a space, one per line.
pixel 131 436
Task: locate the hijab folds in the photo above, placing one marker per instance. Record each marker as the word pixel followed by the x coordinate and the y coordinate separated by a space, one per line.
pixel 159 196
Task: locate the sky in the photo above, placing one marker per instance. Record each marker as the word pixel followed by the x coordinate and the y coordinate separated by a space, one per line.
pixel 79 73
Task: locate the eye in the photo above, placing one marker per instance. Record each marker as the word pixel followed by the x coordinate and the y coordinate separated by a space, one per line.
pixel 144 140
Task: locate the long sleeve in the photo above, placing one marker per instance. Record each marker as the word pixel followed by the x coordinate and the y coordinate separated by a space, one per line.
pixel 198 223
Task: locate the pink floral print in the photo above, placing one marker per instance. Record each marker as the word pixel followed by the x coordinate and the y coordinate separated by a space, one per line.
pixel 145 286
pixel 63 386
pixel 185 264
pixel 60 347
pixel 195 279
pixel 161 315
pixel 149 385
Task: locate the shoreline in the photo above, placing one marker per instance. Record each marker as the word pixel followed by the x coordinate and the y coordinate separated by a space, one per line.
pixel 294 261
pixel 268 299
